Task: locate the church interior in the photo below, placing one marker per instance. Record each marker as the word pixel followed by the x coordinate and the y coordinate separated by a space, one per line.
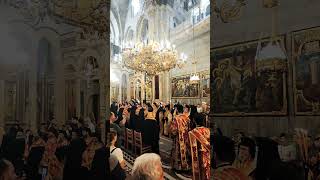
pixel 159 89
pixel 160 54
pixel 265 89
pixel 70 71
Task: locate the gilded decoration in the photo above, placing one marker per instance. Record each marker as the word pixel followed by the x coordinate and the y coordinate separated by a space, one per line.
pixel 182 88
pixel 229 11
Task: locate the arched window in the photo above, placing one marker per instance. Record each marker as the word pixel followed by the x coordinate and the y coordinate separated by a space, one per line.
pixel 45 65
pixel 144 30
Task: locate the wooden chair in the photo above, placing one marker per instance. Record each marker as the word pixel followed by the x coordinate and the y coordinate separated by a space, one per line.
pixel 123 139
pixel 138 144
pixel 129 140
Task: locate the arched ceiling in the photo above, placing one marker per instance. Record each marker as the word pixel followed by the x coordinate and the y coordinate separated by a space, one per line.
pixel 119 8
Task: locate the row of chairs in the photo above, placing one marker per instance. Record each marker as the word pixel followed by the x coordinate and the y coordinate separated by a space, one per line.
pixel 132 142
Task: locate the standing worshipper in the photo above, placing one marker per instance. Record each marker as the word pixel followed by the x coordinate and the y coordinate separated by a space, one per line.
pixel 193 115
pixel 140 119
pixel 120 116
pixel 180 154
pixel 74 157
pixel 8 143
pixel 224 154
pixel 245 160
pixel 117 167
pixel 150 131
pixel 167 119
pixel 133 118
pixel 49 159
pixel 35 155
pixel 161 112
pixel 18 152
pixel 90 125
pixel 99 166
pixel 200 153
pixel 117 128
pixel 93 144
pixel 114 108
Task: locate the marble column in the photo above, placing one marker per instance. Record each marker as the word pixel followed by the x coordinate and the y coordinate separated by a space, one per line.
pixel 59 91
pixel 161 86
pixel 120 84
pixel 33 104
pixel 2 103
pixel 153 92
pixel 104 97
pixel 20 95
pixel 128 88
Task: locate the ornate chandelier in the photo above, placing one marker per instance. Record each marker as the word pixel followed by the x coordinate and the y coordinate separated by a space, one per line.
pixel 272 51
pixel 153 54
pixel 152 58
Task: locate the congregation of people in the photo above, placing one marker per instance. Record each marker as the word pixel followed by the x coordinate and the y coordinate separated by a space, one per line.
pixel 294 156
pixel 186 125
pixel 71 151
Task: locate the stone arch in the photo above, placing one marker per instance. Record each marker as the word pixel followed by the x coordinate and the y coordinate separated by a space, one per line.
pixel 140 26
pixel 55 98
pixel 115 28
pixel 45 63
pixel 129 36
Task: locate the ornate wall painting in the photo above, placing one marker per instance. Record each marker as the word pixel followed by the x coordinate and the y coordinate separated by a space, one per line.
pixel 205 85
pixel 241 85
pixel 306 56
pixel 182 88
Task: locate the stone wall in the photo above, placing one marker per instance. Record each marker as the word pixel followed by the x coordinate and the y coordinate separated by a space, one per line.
pixel 291 16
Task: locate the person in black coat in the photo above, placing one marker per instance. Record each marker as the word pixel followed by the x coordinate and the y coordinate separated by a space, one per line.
pixel 72 168
pixel 33 161
pixel 151 131
pixel 160 110
pixel 139 120
pixel 99 167
pixel 133 118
